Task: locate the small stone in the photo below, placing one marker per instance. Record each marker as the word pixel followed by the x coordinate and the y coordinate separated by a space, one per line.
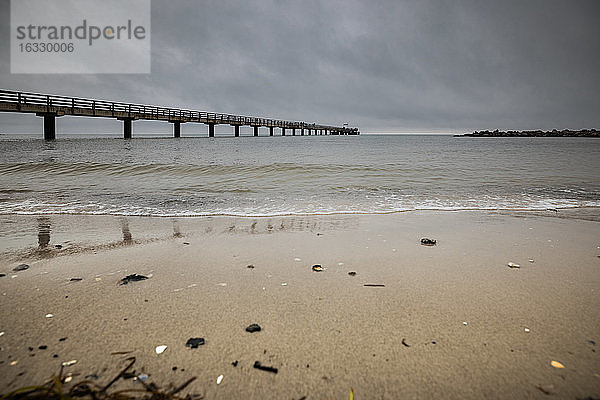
pixel 75 279
pixel 513 265
pixel 352 273
pixel 62 339
pixel 2 275
pixel 14 362
pixel 21 267
pixel 219 379
pixel 428 242
pixel 43 347
pixel 194 342
pixel 235 363
pixel 527 330
pixel 556 364
pixel 58 246
pixel 531 260
pixel 465 323
pixel 318 268
pixel 250 266
pixel 55 356
pixel 69 363
pixel 253 328
pixel 49 315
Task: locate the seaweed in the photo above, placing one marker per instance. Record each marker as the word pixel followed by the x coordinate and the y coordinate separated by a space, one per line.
pixel 55 389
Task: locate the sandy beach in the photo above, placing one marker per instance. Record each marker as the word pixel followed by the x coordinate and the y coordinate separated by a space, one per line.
pixel 451 321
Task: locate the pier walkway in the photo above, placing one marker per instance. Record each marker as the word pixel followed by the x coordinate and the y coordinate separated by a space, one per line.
pixel 52 106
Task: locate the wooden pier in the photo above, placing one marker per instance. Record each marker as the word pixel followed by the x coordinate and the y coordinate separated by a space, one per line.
pixel 52 106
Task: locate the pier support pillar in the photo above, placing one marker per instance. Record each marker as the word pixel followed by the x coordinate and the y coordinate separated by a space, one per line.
pixel 293 131
pixel 256 131
pixel 282 131
pixel 49 126
pixel 270 131
pixel 176 129
pixel 211 130
pixel 309 132
pixel 127 127
pixel 236 130
pixel 302 132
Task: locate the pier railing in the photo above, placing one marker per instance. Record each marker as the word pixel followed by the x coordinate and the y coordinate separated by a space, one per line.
pixel 51 106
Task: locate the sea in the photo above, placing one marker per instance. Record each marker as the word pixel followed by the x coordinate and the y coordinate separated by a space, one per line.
pixel 294 175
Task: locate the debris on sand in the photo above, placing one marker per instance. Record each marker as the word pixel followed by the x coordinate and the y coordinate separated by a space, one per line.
pixel 253 328
pixel 219 379
pixel 250 266
pixel 54 388
pixel 2 275
pixel 556 364
pixel 160 349
pixel 132 278
pixel 428 242
pixel 194 342
pixel 318 268
pixel 352 273
pixel 257 365
pixel 21 267
pixel 513 265
pixel 75 279
pixel 374 285
pixel 235 363
pixel 404 343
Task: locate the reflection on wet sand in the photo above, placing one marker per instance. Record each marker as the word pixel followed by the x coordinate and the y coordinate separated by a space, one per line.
pixel 176 228
pixel 43 224
pixel 126 232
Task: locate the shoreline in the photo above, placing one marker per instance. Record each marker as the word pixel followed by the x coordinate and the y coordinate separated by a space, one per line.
pixel 324 331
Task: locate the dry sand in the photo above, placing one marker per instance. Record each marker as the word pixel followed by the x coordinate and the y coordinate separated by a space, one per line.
pixel 450 322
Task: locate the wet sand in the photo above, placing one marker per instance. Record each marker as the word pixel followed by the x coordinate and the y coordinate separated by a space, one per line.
pixel 450 322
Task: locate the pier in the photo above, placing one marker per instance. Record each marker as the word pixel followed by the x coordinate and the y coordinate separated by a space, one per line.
pixel 49 107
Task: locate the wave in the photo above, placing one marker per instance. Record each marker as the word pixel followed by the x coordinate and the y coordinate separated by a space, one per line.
pixel 31 207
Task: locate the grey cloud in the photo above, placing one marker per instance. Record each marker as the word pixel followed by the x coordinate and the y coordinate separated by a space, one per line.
pixel 395 66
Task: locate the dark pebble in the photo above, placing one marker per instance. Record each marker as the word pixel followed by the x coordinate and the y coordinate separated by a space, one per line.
pixel 75 279
pixel 428 242
pixel 235 363
pixel 186 243
pixel 352 273
pixel 62 339
pixel 591 342
pixel 194 342
pixel 253 328
pixel 43 347
pixel 30 348
pixel 250 266
pixel 55 356
pixel 58 246
pixel 132 278
pixel 2 275
pixel 174 368
pixel 21 267
pixel 317 268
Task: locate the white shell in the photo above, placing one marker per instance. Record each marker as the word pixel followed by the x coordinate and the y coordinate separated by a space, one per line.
pixel 160 349
pixel 297 259
pixel 49 315
pixel 219 379
pixel 527 330
pixel 68 363
pixel 513 265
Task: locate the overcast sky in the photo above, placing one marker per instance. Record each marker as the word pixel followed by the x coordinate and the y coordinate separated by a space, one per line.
pixel 385 66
